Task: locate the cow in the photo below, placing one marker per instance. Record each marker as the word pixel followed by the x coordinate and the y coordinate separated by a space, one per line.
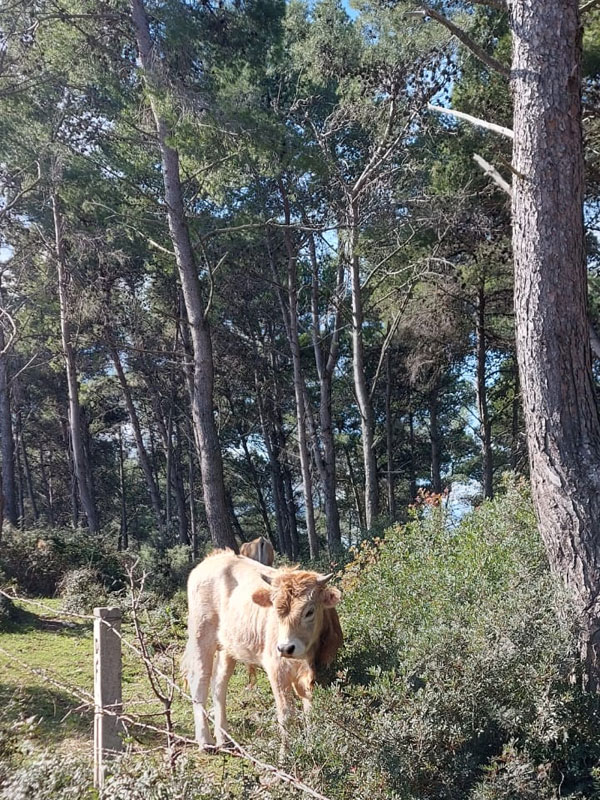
pixel 283 620
pixel 260 550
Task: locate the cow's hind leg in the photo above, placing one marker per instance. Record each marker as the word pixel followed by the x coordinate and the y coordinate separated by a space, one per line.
pixel 199 657
pixel 223 672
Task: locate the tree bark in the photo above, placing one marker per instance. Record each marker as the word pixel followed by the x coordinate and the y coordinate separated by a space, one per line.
pixel 363 399
pixel 9 491
pixel 143 457
pixel 552 334
pixel 80 466
pixel 434 434
pixel 291 320
pixel 211 463
pixel 485 424
pixel 123 531
pixel 389 438
pixel 325 363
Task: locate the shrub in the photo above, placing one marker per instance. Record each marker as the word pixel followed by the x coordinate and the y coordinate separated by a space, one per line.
pixel 454 682
pixel 81 590
pixel 38 559
pixel 166 571
pixel 8 611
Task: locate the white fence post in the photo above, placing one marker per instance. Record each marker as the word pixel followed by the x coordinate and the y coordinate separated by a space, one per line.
pixel 107 688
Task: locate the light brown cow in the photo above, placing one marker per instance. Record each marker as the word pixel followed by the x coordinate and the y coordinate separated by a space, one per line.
pixel 260 550
pixel 281 619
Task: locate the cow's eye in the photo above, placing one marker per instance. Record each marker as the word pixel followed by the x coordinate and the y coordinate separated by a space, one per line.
pixel 309 613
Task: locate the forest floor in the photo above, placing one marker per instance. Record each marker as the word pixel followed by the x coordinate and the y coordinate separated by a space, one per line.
pixel 44 656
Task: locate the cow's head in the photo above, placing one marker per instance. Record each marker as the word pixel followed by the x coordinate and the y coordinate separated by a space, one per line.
pixel 299 600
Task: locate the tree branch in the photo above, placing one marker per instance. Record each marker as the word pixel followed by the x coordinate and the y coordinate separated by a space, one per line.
pixel 493 173
pixel 588 6
pixel 480 123
pixel 468 42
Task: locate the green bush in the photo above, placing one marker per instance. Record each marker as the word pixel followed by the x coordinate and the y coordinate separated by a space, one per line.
pixel 166 571
pixel 38 559
pixel 8 611
pixel 81 590
pixel 454 681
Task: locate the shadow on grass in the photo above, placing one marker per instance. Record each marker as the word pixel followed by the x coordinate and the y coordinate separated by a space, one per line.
pixel 25 621
pixel 47 714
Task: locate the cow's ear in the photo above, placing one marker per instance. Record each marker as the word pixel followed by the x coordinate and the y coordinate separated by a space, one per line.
pixel 262 597
pixel 330 597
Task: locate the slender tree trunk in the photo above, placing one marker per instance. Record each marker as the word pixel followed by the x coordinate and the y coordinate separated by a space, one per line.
pixel 434 434
pixel 80 466
pixel 389 438
pixel 191 488
pixel 355 490
pixel 299 388
pixel 515 444
pixel 9 491
pixel 211 464
pixel 360 380
pixel 325 368
pixel 143 458
pixel 553 346
pixel 485 424
pixel 47 487
pixel 412 472
pixel 123 532
pixel 28 477
pixel 179 490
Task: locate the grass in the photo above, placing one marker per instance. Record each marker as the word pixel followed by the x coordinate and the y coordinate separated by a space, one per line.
pixel 42 653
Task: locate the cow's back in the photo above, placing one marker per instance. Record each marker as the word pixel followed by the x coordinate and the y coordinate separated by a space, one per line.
pixel 220 593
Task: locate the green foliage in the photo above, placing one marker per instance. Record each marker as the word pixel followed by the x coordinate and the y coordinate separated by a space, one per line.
pixel 454 682
pixel 37 560
pixel 81 590
pixel 8 611
pixel 166 570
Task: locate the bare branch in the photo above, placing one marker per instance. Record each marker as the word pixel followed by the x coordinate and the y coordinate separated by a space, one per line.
pixel 480 123
pixel 588 6
pixel 493 173
pixel 468 42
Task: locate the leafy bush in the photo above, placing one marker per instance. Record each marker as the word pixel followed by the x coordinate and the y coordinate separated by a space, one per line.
pixel 166 571
pixel 38 559
pixel 454 682
pixel 81 589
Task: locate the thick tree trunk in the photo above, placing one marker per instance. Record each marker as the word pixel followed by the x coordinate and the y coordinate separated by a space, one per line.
pixel 365 406
pixel 211 463
pixel 434 435
pixel 143 458
pixel 9 490
pixel 485 424
pixel 81 468
pixel 553 346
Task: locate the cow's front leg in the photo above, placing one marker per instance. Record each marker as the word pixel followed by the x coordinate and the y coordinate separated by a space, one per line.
pixel 280 684
pixel 223 672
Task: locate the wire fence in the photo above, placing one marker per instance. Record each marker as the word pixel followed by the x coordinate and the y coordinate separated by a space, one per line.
pixel 133 723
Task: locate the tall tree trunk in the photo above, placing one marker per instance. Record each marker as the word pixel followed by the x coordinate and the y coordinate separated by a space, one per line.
pixel 363 399
pixel 28 476
pixel 412 471
pixel 553 347
pixel 179 490
pixel 143 458
pixel 325 363
pixel 291 320
pixel 211 463
pixel 9 491
pixel 80 466
pixel 389 438
pixel 355 490
pixel 47 487
pixel 123 531
pixel 485 424
pixel 434 435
